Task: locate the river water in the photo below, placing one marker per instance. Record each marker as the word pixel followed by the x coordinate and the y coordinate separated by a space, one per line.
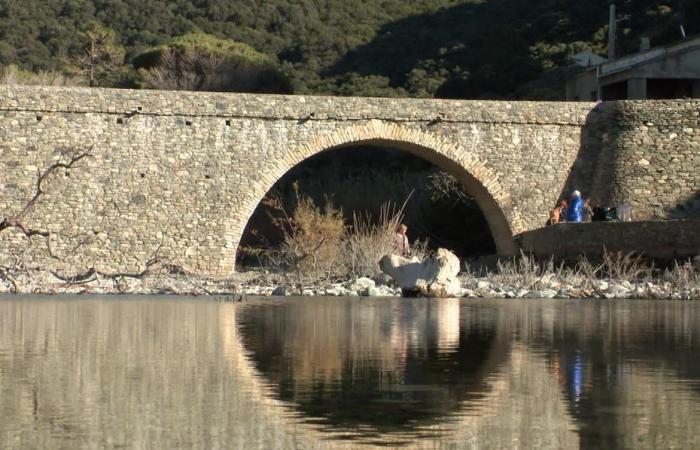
pixel 162 372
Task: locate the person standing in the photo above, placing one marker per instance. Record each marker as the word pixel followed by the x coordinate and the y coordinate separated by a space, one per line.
pixel 574 213
pixel 587 210
pixel 556 215
pixel 401 245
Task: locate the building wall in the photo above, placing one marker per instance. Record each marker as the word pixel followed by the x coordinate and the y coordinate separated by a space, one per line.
pixel 583 87
pixel 183 172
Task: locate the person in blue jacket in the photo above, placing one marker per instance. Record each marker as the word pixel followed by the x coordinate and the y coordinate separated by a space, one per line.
pixel 575 211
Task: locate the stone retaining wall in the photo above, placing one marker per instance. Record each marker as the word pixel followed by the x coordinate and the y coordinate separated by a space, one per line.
pixel 665 240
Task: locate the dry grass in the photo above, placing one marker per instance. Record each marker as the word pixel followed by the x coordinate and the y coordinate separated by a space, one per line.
pixel 683 276
pixel 625 267
pixel 367 241
pixel 528 273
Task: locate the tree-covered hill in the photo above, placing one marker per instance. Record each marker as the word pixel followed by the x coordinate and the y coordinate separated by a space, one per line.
pixel 447 48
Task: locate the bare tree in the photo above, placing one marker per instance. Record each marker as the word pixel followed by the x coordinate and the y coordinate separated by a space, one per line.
pixel 196 69
pixel 101 55
pixel 67 160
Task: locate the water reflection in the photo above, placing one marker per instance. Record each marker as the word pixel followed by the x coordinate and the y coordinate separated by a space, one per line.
pixel 342 373
pixel 399 367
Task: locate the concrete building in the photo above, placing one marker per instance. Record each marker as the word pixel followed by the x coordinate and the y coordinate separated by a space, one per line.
pixel 667 72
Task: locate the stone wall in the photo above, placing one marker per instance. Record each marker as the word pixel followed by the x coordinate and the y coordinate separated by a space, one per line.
pixel 183 172
pixel 662 240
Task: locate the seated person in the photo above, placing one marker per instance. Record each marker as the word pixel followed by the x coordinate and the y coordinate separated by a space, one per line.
pixel 598 213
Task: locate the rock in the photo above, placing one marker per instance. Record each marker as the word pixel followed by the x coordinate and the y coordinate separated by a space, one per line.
pixel 618 291
pixel 569 293
pixel 485 293
pixel 601 285
pixel 434 277
pixel 338 291
pixel 384 291
pixel 280 290
pixel 482 284
pixel 545 293
pixel 369 291
pixel 331 291
pixel 696 263
pixel 360 285
pixel 382 279
pixel 549 293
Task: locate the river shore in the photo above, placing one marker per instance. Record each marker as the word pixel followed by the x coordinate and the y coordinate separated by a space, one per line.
pixel 681 283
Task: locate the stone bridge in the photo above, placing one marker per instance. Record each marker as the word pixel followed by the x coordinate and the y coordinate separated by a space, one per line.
pixel 184 171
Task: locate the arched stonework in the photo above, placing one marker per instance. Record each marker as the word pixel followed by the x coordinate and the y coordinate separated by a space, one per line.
pixel 481 182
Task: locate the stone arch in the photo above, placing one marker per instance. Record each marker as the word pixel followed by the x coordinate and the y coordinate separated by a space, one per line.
pixel 479 181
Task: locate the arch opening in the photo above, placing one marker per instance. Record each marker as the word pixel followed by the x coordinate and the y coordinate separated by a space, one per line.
pixel 453 205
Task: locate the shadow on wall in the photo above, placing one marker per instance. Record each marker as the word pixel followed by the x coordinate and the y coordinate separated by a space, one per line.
pixel 689 209
pixel 594 172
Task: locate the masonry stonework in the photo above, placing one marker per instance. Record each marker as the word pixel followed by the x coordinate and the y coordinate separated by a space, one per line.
pixel 649 157
pixel 183 172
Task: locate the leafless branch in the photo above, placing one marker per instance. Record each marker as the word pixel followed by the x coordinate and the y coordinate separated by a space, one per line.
pixel 17 220
pixel 154 260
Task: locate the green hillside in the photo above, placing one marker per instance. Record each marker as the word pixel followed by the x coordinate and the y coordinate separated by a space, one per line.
pixel 443 48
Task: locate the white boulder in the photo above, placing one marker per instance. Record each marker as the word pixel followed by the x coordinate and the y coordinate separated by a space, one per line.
pixel 435 276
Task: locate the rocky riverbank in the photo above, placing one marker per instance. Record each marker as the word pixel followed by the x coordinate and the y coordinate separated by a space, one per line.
pixel 681 283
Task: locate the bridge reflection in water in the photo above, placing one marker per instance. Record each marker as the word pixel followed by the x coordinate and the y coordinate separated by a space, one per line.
pixel 342 373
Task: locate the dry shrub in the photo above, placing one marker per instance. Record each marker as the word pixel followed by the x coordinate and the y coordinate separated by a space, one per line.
pixel 315 240
pixel 317 245
pixel 13 75
pixel 312 236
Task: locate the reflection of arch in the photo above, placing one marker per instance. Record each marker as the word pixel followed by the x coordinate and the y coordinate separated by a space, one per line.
pixel 497 419
pixel 481 182
pixel 283 414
